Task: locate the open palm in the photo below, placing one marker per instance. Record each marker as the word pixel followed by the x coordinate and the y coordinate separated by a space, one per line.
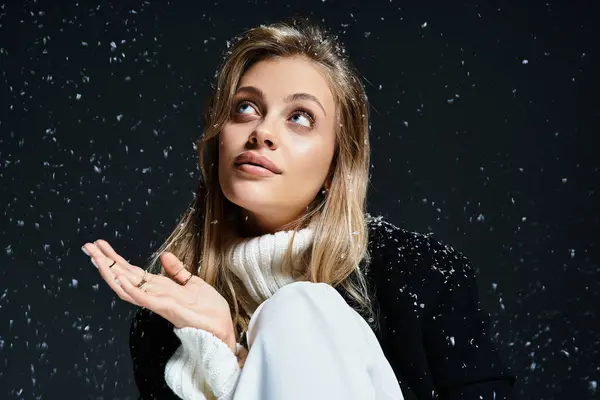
pixel 184 299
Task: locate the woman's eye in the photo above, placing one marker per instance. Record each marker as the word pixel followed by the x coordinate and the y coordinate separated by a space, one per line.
pixel 245 108
pixel 303 119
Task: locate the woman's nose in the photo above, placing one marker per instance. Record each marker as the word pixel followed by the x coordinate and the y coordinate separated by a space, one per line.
pixel 263 135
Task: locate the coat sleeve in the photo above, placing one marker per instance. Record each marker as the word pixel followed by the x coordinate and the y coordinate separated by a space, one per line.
pixel 463 360
pixel 151 343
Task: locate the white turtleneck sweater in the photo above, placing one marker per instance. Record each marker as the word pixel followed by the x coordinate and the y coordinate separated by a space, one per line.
pixel 204 367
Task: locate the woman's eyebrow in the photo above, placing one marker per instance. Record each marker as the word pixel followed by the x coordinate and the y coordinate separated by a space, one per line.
pixel 288 99
pixel 304 96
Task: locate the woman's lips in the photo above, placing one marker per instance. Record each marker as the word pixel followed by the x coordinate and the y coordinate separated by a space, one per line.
pixel 253 158
pixel 254 170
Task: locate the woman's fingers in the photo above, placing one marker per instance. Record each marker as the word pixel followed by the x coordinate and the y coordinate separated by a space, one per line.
pixel 175 268
pixel 167 306
pixel 103 264
pixel 158 293
pixel 122 265
pixel 145 296
pixel 109 252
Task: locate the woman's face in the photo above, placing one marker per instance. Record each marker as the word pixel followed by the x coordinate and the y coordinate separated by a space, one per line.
pixel 283 110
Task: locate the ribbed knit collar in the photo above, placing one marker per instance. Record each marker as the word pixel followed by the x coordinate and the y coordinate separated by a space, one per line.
pixel 258 262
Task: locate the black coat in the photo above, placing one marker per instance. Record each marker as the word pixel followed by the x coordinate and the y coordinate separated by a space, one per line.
pixel 432 330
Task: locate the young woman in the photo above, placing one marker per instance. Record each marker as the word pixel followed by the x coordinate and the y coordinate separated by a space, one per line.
pixel 277 284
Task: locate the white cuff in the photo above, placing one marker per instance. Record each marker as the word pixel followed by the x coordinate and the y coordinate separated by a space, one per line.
pixel 202 366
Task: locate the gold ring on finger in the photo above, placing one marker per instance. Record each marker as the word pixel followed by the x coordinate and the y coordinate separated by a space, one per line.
pixel 187 279
pixel 176 273
pixel 139 285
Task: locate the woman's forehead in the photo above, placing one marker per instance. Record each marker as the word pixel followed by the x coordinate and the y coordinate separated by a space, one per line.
pixel 278 79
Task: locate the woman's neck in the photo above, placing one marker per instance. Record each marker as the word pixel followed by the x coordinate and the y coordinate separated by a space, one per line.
pixel 249 226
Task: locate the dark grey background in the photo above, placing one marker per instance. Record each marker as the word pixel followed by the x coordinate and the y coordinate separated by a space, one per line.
pixel 484 124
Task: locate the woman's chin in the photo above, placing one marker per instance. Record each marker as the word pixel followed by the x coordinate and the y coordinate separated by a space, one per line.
pixel 250 194
pixel 255 203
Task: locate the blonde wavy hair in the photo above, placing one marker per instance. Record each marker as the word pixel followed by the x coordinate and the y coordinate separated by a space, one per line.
pixel 339 252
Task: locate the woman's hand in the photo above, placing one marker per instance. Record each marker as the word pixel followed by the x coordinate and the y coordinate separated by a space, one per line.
pixel 183 300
